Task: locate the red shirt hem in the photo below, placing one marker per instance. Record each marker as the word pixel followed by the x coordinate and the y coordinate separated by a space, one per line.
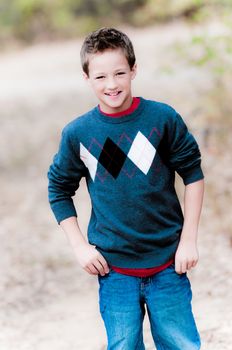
pixel 142 272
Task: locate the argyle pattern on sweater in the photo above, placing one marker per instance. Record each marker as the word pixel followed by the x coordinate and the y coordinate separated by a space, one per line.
pixel 112 157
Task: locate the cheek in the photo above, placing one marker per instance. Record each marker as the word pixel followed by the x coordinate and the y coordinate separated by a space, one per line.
pixel 96 86
pixel 127 83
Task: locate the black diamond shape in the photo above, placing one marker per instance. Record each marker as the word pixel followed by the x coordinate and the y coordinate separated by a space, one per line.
pixel 112 158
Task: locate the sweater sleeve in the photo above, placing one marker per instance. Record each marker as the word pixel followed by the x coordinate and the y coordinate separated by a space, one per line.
pixel 183 152
pixel 64 176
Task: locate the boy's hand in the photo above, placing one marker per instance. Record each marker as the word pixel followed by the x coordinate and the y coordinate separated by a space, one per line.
pixel 186 256
pixel 91 260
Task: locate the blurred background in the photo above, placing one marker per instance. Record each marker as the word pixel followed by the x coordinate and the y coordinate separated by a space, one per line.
pixel 184 57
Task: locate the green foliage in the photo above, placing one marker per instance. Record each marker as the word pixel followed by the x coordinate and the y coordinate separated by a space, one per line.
pixel 211 52
pixel 30 20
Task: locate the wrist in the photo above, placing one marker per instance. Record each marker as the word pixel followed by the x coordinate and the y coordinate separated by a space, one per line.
pixel 79 246
pixel 189 235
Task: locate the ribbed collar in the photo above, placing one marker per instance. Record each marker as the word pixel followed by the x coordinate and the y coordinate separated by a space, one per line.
pixel 134 105
pixel 121 117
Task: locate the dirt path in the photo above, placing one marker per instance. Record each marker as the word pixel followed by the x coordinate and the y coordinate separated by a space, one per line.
pixel 47 301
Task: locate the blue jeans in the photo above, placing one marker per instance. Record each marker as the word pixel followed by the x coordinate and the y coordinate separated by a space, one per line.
pixel 167 296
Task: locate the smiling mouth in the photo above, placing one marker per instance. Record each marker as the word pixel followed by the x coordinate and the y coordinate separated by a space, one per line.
pixel 113 93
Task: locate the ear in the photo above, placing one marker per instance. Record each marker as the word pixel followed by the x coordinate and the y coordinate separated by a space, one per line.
pixel 133 71
pixel 85 76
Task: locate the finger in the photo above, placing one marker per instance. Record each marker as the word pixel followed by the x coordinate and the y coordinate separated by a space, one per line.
pixel 184 267
pixel 99 267
pixel 191 264
pixel 104 264
pixel 194 263
pixel 88 270
pixel 93 269
pixel 103 261
pixel 178 267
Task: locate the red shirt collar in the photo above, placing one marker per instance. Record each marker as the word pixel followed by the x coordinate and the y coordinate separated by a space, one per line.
pixel 131 109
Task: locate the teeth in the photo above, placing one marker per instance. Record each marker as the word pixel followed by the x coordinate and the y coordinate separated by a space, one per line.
pixel 113 94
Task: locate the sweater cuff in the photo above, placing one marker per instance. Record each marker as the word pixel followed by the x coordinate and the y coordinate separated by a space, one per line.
pixel 192 175
pixel 63 210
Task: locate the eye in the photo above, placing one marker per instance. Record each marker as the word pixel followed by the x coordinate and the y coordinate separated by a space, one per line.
pixel 120 73
pixel 100 77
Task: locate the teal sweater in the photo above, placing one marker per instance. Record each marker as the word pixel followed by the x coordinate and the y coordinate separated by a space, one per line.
pixel 129 163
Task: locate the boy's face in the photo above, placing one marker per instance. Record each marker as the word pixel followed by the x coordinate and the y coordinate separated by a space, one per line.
pixel 110 77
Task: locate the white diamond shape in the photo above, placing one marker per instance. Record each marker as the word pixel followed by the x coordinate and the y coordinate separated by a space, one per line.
pixel 142 152
pixel 89 160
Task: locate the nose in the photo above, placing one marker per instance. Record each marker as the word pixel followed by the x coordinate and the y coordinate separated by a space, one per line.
pixel 111 83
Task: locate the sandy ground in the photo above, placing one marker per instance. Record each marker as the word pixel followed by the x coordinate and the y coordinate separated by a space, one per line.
pixel 47 301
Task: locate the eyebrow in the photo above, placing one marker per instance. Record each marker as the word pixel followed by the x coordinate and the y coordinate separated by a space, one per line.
pixel 103 73
pixel 99 73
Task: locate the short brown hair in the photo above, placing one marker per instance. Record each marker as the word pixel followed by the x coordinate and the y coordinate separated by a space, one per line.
pixel 103 39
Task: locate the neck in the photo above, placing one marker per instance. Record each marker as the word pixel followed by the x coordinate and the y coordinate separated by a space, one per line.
pixel 130 109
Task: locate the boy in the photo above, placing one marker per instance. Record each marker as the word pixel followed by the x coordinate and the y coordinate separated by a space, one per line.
pixel 140 245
